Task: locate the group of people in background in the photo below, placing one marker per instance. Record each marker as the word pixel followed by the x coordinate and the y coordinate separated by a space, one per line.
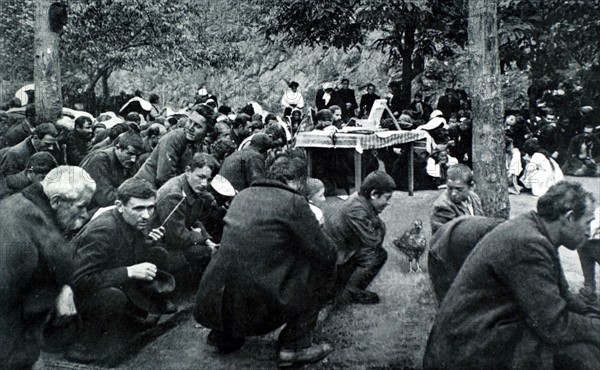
pixel 111 217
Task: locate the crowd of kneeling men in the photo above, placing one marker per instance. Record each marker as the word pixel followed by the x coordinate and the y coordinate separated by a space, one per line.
pixel 246 237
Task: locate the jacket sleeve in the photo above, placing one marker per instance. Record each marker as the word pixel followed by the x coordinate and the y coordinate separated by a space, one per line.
pixel 99 169
pixel 92 260
pixel 74 154
pixel 370 232
pixel 11 164
pixel 305 228
pixel 255 169
pixel 536 287
pixel 177 235
pixel 440 215
pixel 167 160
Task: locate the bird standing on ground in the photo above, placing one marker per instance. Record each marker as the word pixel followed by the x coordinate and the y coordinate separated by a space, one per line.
pixel 412 243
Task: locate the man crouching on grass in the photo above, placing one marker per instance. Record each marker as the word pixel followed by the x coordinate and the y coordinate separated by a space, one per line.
pixel 510 305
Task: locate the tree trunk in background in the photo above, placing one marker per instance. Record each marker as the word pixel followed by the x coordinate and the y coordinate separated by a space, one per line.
pixel 46 76
pixel 486 93
pixel 407 66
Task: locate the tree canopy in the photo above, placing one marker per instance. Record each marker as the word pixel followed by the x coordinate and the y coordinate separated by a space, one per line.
pixel 408 30
pixel 104 35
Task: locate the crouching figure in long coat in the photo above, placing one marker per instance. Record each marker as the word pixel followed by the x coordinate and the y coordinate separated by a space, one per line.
pixel 274 267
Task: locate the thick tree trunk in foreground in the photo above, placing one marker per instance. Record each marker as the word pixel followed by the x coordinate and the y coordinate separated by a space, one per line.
pixel 48 96
pixel 486 93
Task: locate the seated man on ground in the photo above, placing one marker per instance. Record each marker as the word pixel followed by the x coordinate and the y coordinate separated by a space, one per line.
pixel 583 155
pixel 451 245
pixel 176 149
pixel 589 257
pixel 35 263
pixel 437 166
pixel 245 166
pixel 113 269
pixel 183 203
pixel 457 200
pixel 38 167
pixel 110 167
pixel 358 232
pixel 273 268
pixel 79 140
pixel 43 139
pixel 510 305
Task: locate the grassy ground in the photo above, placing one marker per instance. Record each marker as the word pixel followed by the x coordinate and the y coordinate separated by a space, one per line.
pixel 391 334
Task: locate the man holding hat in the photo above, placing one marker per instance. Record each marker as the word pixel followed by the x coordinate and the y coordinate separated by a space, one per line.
pixel 115 282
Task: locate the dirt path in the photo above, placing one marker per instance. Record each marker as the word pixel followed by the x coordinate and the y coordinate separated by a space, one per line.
pixel 391 334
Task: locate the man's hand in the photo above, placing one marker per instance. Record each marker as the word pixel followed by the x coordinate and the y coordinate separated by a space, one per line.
pixel 142 271
pixel 65 303
pixel 157 234
pixel 214 247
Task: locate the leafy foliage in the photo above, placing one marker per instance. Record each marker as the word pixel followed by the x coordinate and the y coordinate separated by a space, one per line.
pixel 549 35
pixel 104 35
pixel 408 30
pixel 16 40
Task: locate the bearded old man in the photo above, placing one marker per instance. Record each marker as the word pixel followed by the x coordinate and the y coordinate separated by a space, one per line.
pixel 35 268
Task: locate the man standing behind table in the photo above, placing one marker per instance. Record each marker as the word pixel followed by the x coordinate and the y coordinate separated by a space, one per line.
pixel 175 150
pixel 113 253
pixel 358 232
pixel 510 305
pixel 367 101
pixel 272 268
pixel 36 262
pixel 458 199
pixel 347 100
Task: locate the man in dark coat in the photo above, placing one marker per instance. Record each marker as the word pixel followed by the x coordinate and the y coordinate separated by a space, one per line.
pixel 38 167
pixel 347 100
pixel 583 155
pixel 245 166
pixel 175 150
pixel 510 305
pixel 272 268
pixel 450 246
pixel 110 167
pixel 36 260
pixel 112 253
pixel 457 200
pixel 367 100
pixel 358 232
pixel 43 139
pixel 183 204
pixel 79 141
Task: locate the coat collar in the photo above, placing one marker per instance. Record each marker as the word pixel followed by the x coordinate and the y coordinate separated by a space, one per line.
pixel 35 194
pixel 274 184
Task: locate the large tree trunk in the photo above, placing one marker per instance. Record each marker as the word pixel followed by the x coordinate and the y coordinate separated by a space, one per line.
pixel 48 96
pixel 489 166
pixel 407 66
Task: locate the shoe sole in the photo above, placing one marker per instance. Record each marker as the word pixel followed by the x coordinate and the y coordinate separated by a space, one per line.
pixel 284 364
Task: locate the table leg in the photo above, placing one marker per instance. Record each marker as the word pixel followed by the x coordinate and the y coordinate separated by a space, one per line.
pixel 411 169
pixel 357 170
pixel 309 161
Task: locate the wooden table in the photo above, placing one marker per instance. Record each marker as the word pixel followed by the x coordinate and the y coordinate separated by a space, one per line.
pixel 359 142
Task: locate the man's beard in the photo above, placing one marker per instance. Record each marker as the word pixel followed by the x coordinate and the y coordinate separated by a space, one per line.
pixel 67 221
